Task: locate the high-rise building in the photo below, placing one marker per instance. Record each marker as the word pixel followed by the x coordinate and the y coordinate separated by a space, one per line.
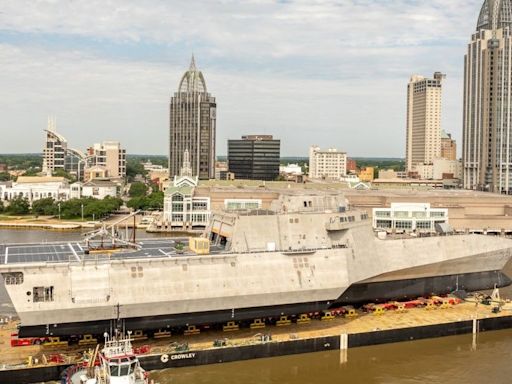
pixel 423 120
pixel 327 164
pixel 192 125
pixel 57 155
pixel 110 156
pixel 487 125
pixel 448 146
pixel 254 157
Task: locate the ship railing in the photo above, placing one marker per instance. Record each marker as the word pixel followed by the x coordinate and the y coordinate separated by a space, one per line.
pixel 94 258
pixel 292 250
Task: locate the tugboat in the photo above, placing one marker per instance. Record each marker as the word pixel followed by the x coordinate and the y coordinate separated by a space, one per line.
pixel 116 363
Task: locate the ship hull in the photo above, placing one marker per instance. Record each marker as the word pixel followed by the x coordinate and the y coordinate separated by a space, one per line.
pixel 361 293
pixel 405 289
pixel 153 323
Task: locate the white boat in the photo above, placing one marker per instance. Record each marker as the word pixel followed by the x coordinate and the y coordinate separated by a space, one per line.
pixel 116 363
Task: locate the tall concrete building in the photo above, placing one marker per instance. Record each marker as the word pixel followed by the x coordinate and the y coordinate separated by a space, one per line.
pixel 192 126
pixel 110 157
pixel 254 157
pixel 327 164
pixel 423 120
pixel 487 125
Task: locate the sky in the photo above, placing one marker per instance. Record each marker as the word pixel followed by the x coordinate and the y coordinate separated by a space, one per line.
pixel 328 72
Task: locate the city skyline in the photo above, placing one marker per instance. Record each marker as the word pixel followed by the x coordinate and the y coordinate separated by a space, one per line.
pixel 330 69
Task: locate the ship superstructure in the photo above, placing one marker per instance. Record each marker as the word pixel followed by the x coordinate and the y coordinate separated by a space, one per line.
pixel 307 253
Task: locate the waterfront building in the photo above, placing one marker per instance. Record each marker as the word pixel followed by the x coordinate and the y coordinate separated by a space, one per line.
pixel 110 157
pixel 487 124
pixel 57 155
pixel 423 142
pixel 448 146
pixel 35 188
pixel 327 164
pixel 193 125
pixel 182 210
pixel 409 217
pixel 254 157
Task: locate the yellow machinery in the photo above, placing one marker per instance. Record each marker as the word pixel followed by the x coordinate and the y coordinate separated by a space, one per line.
pixel 162 334
pixel 230 327
pixel 139 335
pixel 351 312
pixel 327 316
pixel 192 330
pixel 303 319
pixel 257 323
pixel 283 321
pixel 199 245
pixel 87 339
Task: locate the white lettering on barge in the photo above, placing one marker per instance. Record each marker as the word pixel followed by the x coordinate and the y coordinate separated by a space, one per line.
pixel 182 356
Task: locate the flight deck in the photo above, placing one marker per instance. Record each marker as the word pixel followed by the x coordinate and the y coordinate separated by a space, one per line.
pixel 76 251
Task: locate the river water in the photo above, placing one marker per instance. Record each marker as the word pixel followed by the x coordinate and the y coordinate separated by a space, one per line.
pixel 449 360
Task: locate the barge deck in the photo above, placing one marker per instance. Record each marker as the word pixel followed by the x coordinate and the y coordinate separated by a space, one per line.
pixel 337 334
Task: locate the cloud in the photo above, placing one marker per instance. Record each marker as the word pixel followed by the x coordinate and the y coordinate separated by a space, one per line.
pixel 335 71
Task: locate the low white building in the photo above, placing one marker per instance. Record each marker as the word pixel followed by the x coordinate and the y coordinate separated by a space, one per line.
pixel 409 217
pixel 290 169
pixel 35 188
pixel 99 189
pixel 327 164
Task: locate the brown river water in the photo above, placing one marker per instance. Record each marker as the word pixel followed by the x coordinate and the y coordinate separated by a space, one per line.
pixel 449 360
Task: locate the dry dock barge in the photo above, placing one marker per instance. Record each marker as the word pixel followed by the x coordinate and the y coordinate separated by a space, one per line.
pixel 340 333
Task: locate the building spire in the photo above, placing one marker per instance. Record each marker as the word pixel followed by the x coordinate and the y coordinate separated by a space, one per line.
pixel 186 169
pixel 193 64
pixel 52 124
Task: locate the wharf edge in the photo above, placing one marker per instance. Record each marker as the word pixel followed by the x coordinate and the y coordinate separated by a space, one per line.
pixel 190 358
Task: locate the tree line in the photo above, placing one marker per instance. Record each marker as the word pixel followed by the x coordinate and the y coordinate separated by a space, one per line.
pixel 70 209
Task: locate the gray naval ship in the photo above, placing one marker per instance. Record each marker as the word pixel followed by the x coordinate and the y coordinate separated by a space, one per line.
pixel 309 252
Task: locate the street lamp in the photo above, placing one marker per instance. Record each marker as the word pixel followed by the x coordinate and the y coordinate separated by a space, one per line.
pixel 82 209
pixel 59 209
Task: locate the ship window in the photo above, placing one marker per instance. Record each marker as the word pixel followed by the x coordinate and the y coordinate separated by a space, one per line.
pixel 42 294
pixel 125 369
pixel 13 278
pixel 114 370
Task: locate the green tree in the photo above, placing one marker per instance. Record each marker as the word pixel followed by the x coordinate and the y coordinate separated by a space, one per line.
pixel 154 201
pixel 19 206
pixel 138 189
pixel 4 176
pixel 137 203
pixel 2 207
pixel 32 172
pixel 44 207
pixel 134 167
pixel 63 173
